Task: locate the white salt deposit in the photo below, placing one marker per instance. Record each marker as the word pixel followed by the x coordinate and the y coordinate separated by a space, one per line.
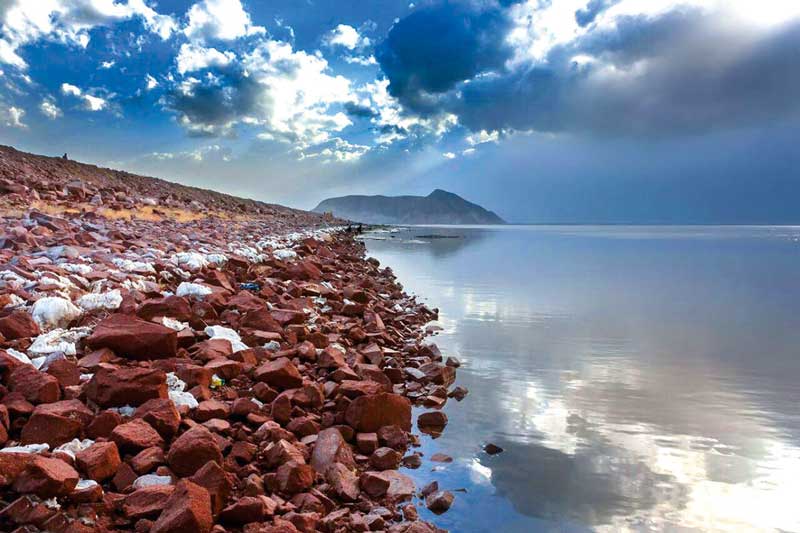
pixel 52 312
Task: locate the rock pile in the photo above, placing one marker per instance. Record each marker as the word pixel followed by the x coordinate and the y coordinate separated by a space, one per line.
pixel 235 373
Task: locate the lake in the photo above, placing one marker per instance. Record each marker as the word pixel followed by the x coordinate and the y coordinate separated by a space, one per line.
pixel 638 378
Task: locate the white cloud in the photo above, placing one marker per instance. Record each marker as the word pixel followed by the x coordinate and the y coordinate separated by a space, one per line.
pixel 12 117
pixel 68 21
pixel 152 83
pixel 49 109
pixel 337 150
pixel 90 101
pixel 224 20
pixel 105 65
pixel 468 151
pixel 449 155
pixel 482 137
pixel 194 57
pixel 346 36
pixel 70 89
pixel 361 60
pixel 94 103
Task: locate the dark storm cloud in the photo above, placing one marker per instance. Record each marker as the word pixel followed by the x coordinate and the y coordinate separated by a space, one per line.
pixel 355 110
pixel 683 72
pixel 433 49
pixel 212 106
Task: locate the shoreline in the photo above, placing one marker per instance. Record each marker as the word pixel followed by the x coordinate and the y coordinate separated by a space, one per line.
pixel 206 373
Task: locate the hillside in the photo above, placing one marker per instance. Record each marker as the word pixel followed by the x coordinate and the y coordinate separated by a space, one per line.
pixel 439 207
pixel 55 184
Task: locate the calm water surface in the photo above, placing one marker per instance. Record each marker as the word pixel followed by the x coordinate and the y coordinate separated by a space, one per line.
pixel 640 378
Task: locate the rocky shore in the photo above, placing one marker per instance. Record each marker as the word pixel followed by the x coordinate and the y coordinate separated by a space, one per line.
pixel 176 360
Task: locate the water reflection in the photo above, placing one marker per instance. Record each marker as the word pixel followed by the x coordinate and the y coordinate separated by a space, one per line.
pixel 637 378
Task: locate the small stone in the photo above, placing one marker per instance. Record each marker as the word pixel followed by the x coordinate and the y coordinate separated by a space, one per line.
pixel 46 477
pixel 280 373
pixel 370 413
pixel 492 449
pixel 385 459
pixel 439 501
pixel 99 461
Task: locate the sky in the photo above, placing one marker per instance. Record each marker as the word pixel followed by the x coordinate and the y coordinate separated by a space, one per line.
pixel 562 111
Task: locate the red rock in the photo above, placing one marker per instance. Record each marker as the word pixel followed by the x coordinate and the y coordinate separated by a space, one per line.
pixel 135 436
pixel 161 414
pixel 439 501
pixel 331 448
pixel 217 482
pixel 262 320
pixel 210 409
pixel 175 307
pixel 11 465
pixel 224 368
pixel 374 484
pixel 401 487
pixel 188 510
pixel 147 460
pixel 280 373
pixel 66 372
pixel 194 375
pixel 367 442
pixel 212 349
pixel 282 452
pixel 385 459
pixel 49 428
pixel 393 437
pixel 124 477
pixel 370 413
pixel 354 389
pixel 18 325
pixel 36 387
pixel 147 502
pixel 192 450
pixel 116 387
pixel 243 511
pixel 134 338
pixel 343 482
pixel 103 424
pixel 432 421
pixel 294 477
pixel 331 357
pixel 99 461
pixel 46 477
pixel 439 374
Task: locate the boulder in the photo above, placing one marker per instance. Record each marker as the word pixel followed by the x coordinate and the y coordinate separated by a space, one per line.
pixel 116 387
pixel 18 325
pixel 188 509
pixel 135 436
pixel 162 414
pixel 439 501
pixel 37 387
pixel 192 450
pixel 280 373
pixel 331 448
pixel 294 477
pixel 147 502
pixel 46 477
pixel 343 482
pixel 134 338
pixel 370 413
pixel 217 482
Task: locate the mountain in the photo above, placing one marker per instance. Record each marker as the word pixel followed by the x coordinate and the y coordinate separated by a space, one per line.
pixel 439 207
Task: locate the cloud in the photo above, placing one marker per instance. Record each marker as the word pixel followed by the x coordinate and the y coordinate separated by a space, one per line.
pixel 345 36
pixel 12 117
pixel 192 57
pixel 91 102
pixel 69 22
pixel 224 20
pixel 432 50
pixel 152 83
pixel 607 68
pixel 202 154
pixel 70 89
pixel 449 155
pixel 49 109
pixel 105 65
pixel 287 95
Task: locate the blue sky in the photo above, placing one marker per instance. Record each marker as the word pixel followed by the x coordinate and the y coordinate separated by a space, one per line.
pixel 543 110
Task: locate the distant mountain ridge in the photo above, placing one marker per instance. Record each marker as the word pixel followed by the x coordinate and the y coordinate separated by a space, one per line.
pixel 439 207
